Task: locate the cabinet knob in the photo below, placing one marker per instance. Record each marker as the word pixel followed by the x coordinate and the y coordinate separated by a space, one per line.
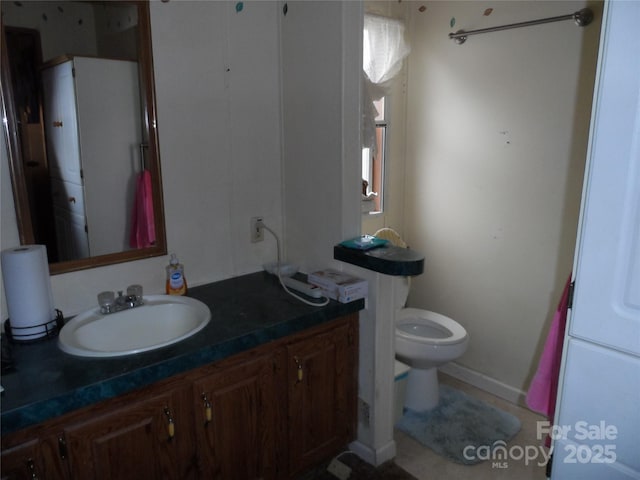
pixel 62 447
pixel 72 199
pixel 171 427
pixel 32 469
pixel 208 412
pixel 300 370
pixel 57 123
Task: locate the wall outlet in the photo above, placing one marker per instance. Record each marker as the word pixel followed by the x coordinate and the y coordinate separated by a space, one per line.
pixel 339 469
pixel 257 230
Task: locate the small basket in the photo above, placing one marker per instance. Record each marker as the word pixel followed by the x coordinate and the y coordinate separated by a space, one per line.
pixel 52 328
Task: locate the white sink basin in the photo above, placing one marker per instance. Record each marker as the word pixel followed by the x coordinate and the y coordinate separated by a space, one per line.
pixel 161 321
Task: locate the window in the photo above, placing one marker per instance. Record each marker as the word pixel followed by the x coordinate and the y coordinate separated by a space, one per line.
pixel 373 164
pixel 383 50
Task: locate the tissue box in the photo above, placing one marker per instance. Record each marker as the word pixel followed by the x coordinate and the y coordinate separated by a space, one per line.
pixel 339 286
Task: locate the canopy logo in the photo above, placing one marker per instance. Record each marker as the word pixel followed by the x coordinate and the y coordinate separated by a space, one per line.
pixel 595 450
pixel 499 454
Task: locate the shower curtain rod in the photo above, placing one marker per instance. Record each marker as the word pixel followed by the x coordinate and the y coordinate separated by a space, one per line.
pixel 582 18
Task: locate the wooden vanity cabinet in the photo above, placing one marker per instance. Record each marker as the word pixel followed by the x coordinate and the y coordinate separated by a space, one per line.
pixel 148 433
pixel 322 395
pixel 276 411
pixel 237 419
pixel 148 438
pixel 35 458
pixel 268 413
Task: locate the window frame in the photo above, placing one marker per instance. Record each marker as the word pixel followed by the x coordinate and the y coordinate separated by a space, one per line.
pixel 383 125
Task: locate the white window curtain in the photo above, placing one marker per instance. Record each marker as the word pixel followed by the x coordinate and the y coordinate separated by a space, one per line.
pixel 383 50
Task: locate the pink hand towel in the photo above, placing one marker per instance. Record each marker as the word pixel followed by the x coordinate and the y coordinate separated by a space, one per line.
pixel 143 230
pixel 541 396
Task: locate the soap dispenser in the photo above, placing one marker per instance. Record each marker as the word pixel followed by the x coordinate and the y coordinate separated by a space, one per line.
pixel 176 282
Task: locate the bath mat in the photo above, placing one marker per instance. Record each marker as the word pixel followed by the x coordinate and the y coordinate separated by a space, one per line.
pixel 461 428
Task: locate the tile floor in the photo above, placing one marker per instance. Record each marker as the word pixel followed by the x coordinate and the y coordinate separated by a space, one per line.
pixel 424 464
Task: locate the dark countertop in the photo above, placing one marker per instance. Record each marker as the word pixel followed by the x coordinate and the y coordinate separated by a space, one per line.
pixel 246 311
pixel 389 259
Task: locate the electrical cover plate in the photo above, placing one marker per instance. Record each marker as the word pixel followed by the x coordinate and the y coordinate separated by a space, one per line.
pixel 339 469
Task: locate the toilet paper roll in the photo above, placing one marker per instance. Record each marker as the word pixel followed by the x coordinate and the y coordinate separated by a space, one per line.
pixel 27 287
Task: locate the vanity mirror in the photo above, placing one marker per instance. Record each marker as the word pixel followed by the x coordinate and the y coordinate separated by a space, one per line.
pixel 78 100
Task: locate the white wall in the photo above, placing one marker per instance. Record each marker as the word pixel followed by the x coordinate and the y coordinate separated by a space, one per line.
pixel 78 29
pixel 219 99
pixel 217 84
pixel 321 62
pixel 496 140
pixel 219 147
pixel 53 26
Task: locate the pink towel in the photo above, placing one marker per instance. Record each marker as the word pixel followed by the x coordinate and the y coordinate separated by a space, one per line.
pixel 541 396
pixel 143 229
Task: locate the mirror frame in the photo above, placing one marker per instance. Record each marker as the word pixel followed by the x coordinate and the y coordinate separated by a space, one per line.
pixel 148 103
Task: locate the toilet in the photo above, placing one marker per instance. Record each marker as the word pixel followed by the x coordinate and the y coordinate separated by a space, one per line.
pixel 424 340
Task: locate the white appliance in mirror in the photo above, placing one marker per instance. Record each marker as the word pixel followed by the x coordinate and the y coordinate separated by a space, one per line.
pixel 97 161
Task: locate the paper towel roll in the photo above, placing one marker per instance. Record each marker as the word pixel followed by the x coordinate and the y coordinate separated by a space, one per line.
pixel 27 287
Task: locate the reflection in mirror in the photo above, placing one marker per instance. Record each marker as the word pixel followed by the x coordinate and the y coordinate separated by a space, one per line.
pixel 79 102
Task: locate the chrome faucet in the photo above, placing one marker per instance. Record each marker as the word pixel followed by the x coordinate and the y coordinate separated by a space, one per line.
pixel 109 303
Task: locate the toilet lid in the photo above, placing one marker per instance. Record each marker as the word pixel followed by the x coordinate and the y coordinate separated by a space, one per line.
pixel 423 325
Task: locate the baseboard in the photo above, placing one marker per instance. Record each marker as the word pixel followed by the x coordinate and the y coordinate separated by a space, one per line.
pixel 371 456
pixel 484 382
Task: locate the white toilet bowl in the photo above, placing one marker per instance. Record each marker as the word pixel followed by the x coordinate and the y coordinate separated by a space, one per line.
pixel 425 340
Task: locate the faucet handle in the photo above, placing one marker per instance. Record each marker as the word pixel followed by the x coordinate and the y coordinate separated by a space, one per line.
pixel 134 290
pixel 106 301
pixel 106 298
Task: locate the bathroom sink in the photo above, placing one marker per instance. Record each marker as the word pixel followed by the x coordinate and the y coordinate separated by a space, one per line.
pixel 161 321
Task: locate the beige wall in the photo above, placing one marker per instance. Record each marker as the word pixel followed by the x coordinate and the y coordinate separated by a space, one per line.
pixel 496 140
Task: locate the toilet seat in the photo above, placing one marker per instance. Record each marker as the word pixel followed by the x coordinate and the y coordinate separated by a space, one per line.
pixel 428 327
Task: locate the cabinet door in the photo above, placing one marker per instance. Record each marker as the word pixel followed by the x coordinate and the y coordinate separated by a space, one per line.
pixel 236 420
pixel 322 375
pixel 34 459
pixel 150 438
